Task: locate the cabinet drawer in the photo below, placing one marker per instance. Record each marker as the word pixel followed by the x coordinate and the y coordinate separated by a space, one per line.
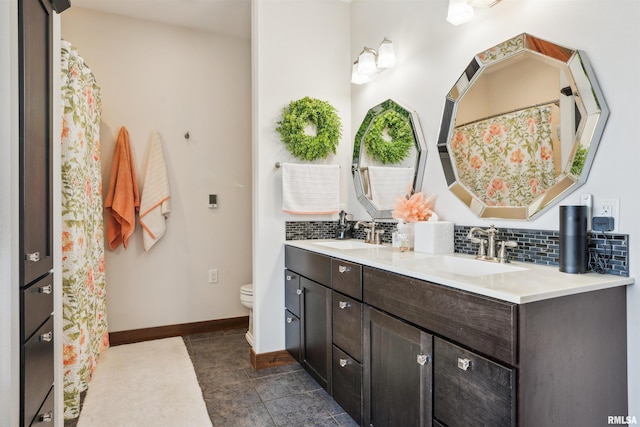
pixel 347 324
pixel 292 292
pixel 346 277
pixel 292 334
pixel 471 390
pixel 44 417
pixel 347 383
pixel 38 369
pixel 311 265
pixel 37 303
pixel 482 323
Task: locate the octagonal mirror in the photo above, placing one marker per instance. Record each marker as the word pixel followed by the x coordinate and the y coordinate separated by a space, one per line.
pixel 520 128
pixel 389 155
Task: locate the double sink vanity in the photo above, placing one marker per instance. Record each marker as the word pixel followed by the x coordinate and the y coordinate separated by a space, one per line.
pixel 411 339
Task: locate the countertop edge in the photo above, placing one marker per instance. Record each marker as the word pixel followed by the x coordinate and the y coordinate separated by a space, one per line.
pixel 535 283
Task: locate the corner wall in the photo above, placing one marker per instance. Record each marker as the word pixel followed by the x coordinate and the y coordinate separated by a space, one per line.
pixel 300 48
pixel 175 80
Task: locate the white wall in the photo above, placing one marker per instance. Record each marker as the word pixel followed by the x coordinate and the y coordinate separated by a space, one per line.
pixel 174 80
pixel 300 48
pixel 432 54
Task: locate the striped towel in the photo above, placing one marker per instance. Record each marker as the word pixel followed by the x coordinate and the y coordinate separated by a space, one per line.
pixel 310 189
pixel 154 206
pixel 388 184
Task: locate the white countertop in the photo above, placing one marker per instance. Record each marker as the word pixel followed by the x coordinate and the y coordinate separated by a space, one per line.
pixel 531 283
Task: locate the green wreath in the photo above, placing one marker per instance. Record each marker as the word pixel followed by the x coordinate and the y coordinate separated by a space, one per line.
pixel 297 116
pixel 400 131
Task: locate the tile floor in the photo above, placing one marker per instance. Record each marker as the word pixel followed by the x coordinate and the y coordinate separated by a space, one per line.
pixel 236 395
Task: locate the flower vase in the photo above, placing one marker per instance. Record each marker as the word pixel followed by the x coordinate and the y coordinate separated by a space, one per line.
pixel 405 235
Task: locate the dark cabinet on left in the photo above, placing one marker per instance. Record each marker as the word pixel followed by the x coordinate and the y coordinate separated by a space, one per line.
pixel 36 249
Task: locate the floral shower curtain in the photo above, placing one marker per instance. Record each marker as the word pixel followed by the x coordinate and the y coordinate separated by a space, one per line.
pixel 507 160
pixel 83 279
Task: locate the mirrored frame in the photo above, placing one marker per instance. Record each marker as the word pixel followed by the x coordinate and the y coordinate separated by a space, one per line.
pixel 578 84
pixel 361 161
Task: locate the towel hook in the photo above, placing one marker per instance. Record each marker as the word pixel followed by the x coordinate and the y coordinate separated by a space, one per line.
pixel 186 135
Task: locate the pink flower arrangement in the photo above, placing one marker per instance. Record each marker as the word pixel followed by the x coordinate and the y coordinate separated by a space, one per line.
pixel 414 208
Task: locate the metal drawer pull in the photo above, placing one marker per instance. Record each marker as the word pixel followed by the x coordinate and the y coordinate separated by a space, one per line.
pixel 343 363
pixel 46 417
pixel 46 289
pixel 299 291
pixel 46 337
pixel 344 269
pixel 343 304
pixel 289 277
pixel 289 319
pixel 34 257
pixel 464 364
pixel 422 359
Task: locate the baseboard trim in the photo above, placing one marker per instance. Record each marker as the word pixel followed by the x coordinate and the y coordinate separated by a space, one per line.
pixel 271 360
pixel 148 334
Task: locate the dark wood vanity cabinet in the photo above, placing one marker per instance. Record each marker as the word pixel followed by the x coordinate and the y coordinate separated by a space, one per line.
pixel 406 352
pixel 308 312
pixel 36 248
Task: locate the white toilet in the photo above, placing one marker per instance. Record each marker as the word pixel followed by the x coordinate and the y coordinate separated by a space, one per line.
pixel 246 299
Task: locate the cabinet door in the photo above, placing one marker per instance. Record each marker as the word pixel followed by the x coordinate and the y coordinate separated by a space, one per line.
pixel 316 330
pixel 397 372
pixel 346 379
pixel 36 60
pixel 292 334
pixel 347 325
pixel 471 390
pixel 292 292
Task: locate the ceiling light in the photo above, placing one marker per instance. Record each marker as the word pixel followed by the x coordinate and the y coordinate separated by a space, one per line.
pixel 459 12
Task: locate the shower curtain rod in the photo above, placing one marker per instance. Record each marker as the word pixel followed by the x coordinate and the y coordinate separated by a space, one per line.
pixel 556 102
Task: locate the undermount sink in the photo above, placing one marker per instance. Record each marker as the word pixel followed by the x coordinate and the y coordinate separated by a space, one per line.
pixel 347 244
pixel 463 266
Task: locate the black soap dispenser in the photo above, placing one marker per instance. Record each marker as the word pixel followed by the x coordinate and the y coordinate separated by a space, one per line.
pixel 344 229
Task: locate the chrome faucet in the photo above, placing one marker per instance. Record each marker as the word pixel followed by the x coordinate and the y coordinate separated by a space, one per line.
pixel 490 253
pixel 372 235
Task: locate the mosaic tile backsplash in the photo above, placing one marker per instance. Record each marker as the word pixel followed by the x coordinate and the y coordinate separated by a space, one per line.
pixel 609 253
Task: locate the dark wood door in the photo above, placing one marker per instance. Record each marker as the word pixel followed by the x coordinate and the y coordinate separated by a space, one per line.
pixel 316 327
pixel 397 372
pixel 35 50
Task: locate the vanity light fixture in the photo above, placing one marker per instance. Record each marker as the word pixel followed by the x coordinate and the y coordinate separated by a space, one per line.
pixel 483 3
pixel 371 62
pixel 461 11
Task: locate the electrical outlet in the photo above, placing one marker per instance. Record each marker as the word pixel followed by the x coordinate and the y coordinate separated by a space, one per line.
pixel 213 275
pixel 608 208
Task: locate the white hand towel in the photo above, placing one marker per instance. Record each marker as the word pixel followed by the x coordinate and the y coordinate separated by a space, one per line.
pixel 310 189
pixel 154 206
pixel 388 184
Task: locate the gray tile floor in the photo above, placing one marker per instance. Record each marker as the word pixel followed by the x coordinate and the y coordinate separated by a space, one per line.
pixel 237 395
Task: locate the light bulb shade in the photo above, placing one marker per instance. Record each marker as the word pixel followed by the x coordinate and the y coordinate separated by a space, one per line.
pixel 356 77
pixel 367 62
pixel 482 3
pixel 459 12
pixel 386 54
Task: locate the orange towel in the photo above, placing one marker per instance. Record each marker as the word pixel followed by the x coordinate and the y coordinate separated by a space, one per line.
pixel 122 200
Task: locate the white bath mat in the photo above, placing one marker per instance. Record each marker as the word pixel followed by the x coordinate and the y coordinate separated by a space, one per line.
pixel 151 383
